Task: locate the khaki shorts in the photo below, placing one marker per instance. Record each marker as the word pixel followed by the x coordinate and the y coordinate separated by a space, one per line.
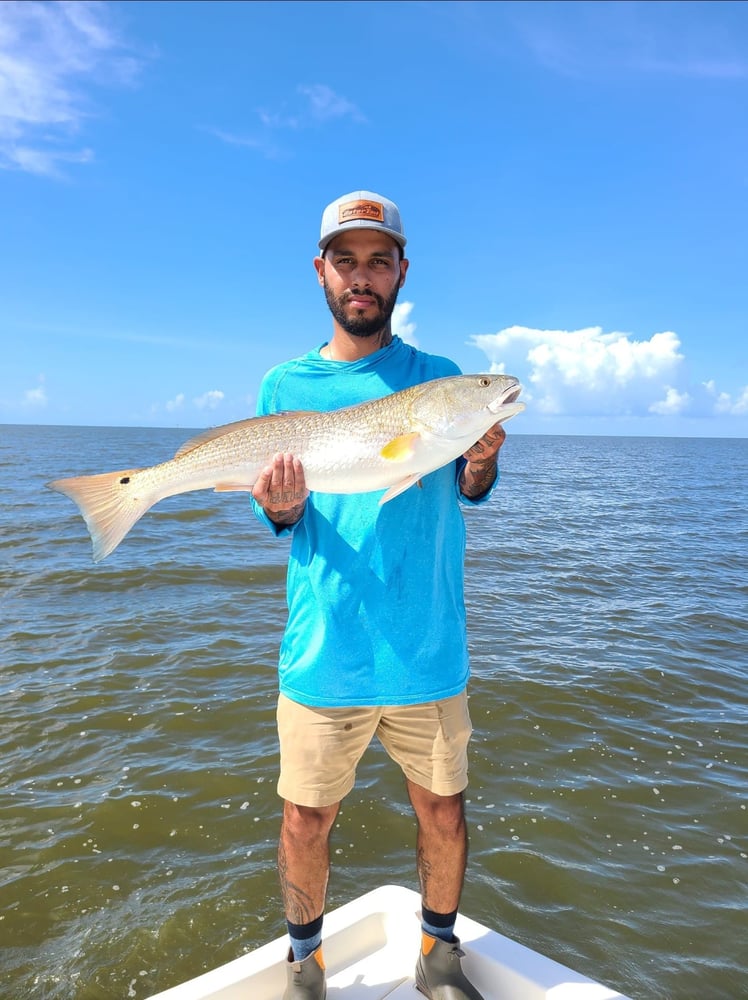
pixel 321 747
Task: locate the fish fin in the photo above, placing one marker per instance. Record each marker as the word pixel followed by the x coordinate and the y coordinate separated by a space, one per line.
pixel 213 433
pixel 401 487
pixel 108 507
pixel 216 432
pixel 233 487
pixel 400 448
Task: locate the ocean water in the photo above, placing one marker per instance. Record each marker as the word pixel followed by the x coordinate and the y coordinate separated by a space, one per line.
pixel 607 587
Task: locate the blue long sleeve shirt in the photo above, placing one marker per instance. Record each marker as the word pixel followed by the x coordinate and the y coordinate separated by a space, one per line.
pixel 376 611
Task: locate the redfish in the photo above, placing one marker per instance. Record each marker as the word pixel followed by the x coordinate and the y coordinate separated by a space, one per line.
pixel 384 444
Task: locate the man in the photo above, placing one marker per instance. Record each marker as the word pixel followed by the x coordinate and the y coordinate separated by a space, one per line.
pixel 375 641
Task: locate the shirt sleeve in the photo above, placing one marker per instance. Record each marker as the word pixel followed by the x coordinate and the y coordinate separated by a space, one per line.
pixel 279 530
pixel 263 409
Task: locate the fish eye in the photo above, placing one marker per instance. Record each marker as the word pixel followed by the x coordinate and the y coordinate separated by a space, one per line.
pixel 484 382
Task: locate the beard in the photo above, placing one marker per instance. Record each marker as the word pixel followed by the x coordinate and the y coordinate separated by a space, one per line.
pixel 361 326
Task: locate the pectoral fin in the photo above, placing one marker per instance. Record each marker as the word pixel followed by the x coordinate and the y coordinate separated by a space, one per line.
pixel 400 448
pixel 401 487
pixel 233 487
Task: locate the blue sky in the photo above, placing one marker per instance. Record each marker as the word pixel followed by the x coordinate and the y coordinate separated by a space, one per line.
pixel 573 179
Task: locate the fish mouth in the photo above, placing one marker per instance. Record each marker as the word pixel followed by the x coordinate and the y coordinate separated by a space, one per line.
pixel 509 395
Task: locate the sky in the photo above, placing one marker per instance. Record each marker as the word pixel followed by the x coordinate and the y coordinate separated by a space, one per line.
pixel 573 181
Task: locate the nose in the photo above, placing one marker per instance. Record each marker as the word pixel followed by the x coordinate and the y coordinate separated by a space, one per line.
pixel 360 276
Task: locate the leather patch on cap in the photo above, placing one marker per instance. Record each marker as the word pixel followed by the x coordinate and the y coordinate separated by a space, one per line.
pixel 372 211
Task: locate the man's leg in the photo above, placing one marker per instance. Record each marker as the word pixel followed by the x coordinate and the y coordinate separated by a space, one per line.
pixel 304 866
pixel 304 859
pixel 441 852
pixel 441 847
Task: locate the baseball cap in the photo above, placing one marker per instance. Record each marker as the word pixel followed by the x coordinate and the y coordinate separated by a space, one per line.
pixel 361 210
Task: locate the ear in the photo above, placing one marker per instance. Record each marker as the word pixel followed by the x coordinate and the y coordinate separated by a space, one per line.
pixel 404 264
pixel 319 267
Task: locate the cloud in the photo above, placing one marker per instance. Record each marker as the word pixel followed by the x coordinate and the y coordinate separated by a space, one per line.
pixel 175 404
pixel 260 144
pixel 584 40
pixel 318 106
pixel 587 372
pixel 727 404
pixel 50 55
pixel 673 404
pixel 325 105
pixel 36 397
pixel 401 325
pixel 209 400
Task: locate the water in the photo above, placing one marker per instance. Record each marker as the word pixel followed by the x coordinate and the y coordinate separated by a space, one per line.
pixel 608 603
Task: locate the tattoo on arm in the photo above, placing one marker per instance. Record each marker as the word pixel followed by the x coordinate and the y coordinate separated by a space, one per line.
pixel 479 474
pixel 477 478
pixel 287 517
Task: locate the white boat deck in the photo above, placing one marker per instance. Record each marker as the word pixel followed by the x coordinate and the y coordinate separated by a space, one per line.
pixel 370 948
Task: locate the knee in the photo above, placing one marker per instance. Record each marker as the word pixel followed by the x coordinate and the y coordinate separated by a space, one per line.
pixel 307 823
pixel 443 815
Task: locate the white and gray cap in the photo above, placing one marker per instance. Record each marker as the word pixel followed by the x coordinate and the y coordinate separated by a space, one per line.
pixel 361 210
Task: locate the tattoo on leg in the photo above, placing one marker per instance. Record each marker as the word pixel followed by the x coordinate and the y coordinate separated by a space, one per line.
pixel 299 905
pixel 424 871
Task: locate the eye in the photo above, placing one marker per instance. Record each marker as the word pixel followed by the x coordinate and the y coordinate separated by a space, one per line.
pixel 484 381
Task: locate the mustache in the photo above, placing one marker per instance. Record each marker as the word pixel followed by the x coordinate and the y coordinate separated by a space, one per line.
pixel 348 295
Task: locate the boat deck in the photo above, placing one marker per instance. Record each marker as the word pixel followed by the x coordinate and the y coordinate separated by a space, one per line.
pixel 370 948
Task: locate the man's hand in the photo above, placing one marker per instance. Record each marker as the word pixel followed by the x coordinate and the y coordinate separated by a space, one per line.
pixel 281 489
pixel 479 474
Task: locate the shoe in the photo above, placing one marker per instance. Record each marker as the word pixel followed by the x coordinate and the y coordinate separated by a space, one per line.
pixel 306 980
pixel 439 974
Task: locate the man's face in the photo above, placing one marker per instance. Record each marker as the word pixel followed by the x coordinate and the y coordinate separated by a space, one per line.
pixel 361 273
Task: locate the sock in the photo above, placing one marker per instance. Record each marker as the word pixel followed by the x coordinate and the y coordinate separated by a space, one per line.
pixel 440 925
pixel 305 938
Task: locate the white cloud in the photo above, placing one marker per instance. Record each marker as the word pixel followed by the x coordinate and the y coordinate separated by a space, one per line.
pixel 49 54
pixel 175 404
pixel 584 40
pixel 586 371
pixel 36 397
pixel 590 373
pixel 325 105
pixel 209 400
pixel 740 405
pixel 727 404
pixel 673 404
pixel 260 144
pixel 319 105
pixel 401 325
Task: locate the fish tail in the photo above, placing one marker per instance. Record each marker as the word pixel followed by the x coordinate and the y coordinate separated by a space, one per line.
pixel 110 506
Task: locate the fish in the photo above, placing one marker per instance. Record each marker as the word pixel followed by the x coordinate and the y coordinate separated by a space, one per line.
pixel 387 443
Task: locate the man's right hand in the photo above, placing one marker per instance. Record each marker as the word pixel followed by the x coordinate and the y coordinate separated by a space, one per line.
pixel 281 489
